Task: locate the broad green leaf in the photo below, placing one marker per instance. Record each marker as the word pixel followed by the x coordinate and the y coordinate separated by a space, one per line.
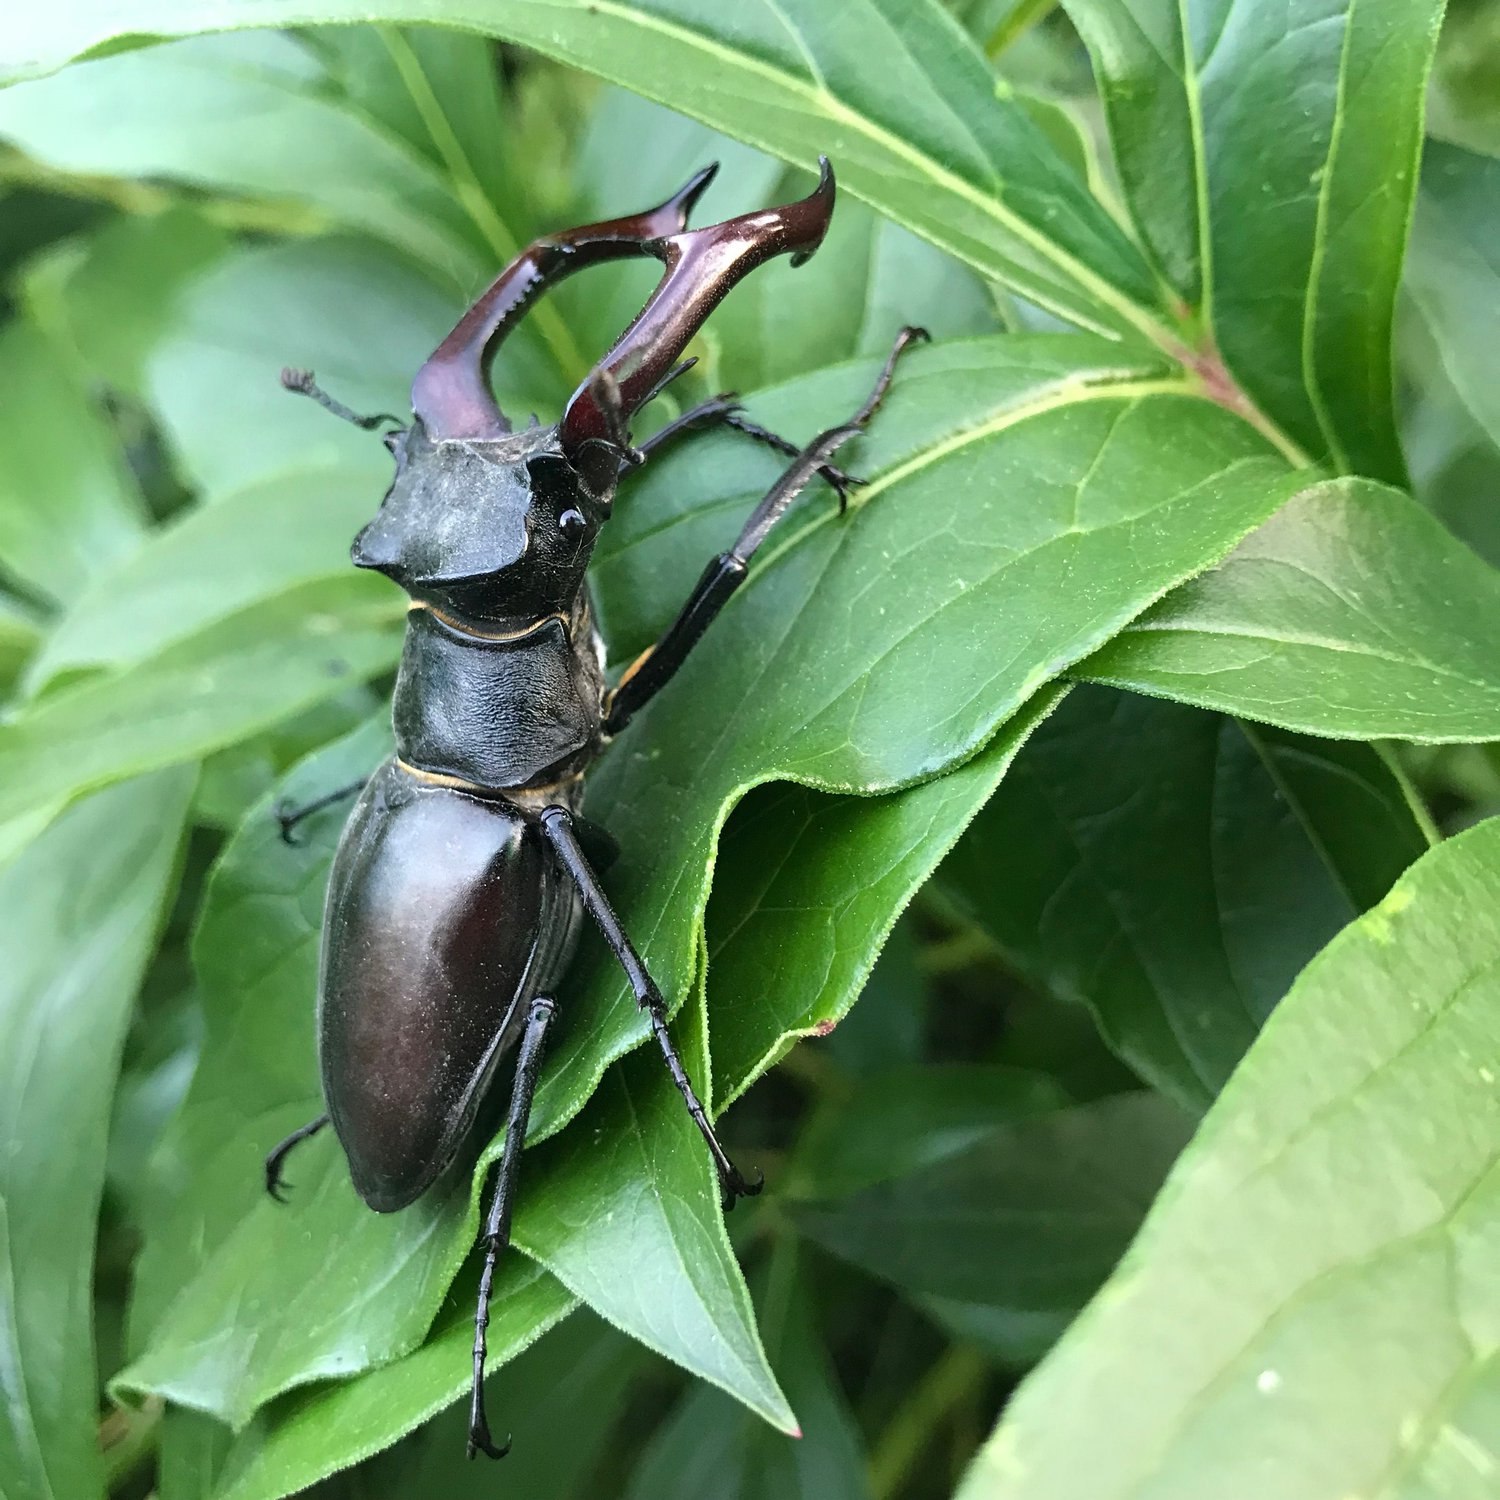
pixel 999 468
pixel 360 316
pixel 180 112
pixel 437 89
pixel 624 1210
pixel 561 1401
pixel 989 489
pixel 903 1121
pixel 1454 273
pixel 708 1446
pixel 1311 625
pixel 805 891
pixel 80 910
pixel 112 298
pixel 189 1451
pixel 222 684
pixel 214 562
pixel 890 1026
pixel 1174 870
pixel 255 954
pixel 1463 102
pixel 892 90
pixel 311 1433
pixel 1310 1311
pixel 1283 231
pixel 67 505
pixel 1013 1234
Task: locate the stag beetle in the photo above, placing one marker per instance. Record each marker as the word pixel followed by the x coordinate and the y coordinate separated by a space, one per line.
pixel 462 877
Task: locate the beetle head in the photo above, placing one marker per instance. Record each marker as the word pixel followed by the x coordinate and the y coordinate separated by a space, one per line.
pixel 496 529
pixel 500 524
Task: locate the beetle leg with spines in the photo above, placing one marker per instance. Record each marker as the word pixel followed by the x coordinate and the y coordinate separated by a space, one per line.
pixel 726 572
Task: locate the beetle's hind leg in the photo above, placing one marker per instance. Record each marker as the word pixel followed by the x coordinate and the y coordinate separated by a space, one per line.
pixel 497 1224
pixel 558 825
pixel 278 1154
pixel 290 817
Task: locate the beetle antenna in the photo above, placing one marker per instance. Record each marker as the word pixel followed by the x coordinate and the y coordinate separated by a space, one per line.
pixel 303 384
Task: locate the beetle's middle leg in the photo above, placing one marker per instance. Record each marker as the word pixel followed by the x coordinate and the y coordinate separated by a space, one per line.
pixel 728 570
pixel 278 1154
pixel 557 825
pixel 497 1224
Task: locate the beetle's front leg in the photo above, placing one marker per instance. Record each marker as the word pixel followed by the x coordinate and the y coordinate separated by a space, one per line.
pixel 290 817
pixel 557 825
pixel 497 1223
pixel 725 409
pixel 727 571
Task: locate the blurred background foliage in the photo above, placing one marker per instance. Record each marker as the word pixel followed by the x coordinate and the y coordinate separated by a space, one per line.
pixel 956 1167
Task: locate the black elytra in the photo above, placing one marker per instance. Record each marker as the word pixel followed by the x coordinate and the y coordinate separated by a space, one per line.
pixel 462 877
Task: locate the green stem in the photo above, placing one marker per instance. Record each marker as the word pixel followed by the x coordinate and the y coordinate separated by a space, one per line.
pixel 549 322
pixel 145 199
pixel 1417 804
pixel 911 1429
pixel 1022 17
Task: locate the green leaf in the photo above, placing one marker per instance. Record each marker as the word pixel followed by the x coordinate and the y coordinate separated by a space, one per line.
pixel 439 90
pixel 1284 238
pixel 892 90
pixel 852 711
pixel 624 1211
pixel 1012 1234
pixel 806 887
pixel 708 1446
pixel 1276 842
pixel 19 636
pixel 1310 1309
pixel 561 1400
pixel 179 112
pixel 190 1450
pixel 360 316
pixel 214 562
pixel 311 1433
pixel 1454 273
pixel 55 443
pixel 1463 103
pixel 226 682
pixel 112 298
pixel 990 488
pixel 80 910
pixel 901 1121
pixel 1307 625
